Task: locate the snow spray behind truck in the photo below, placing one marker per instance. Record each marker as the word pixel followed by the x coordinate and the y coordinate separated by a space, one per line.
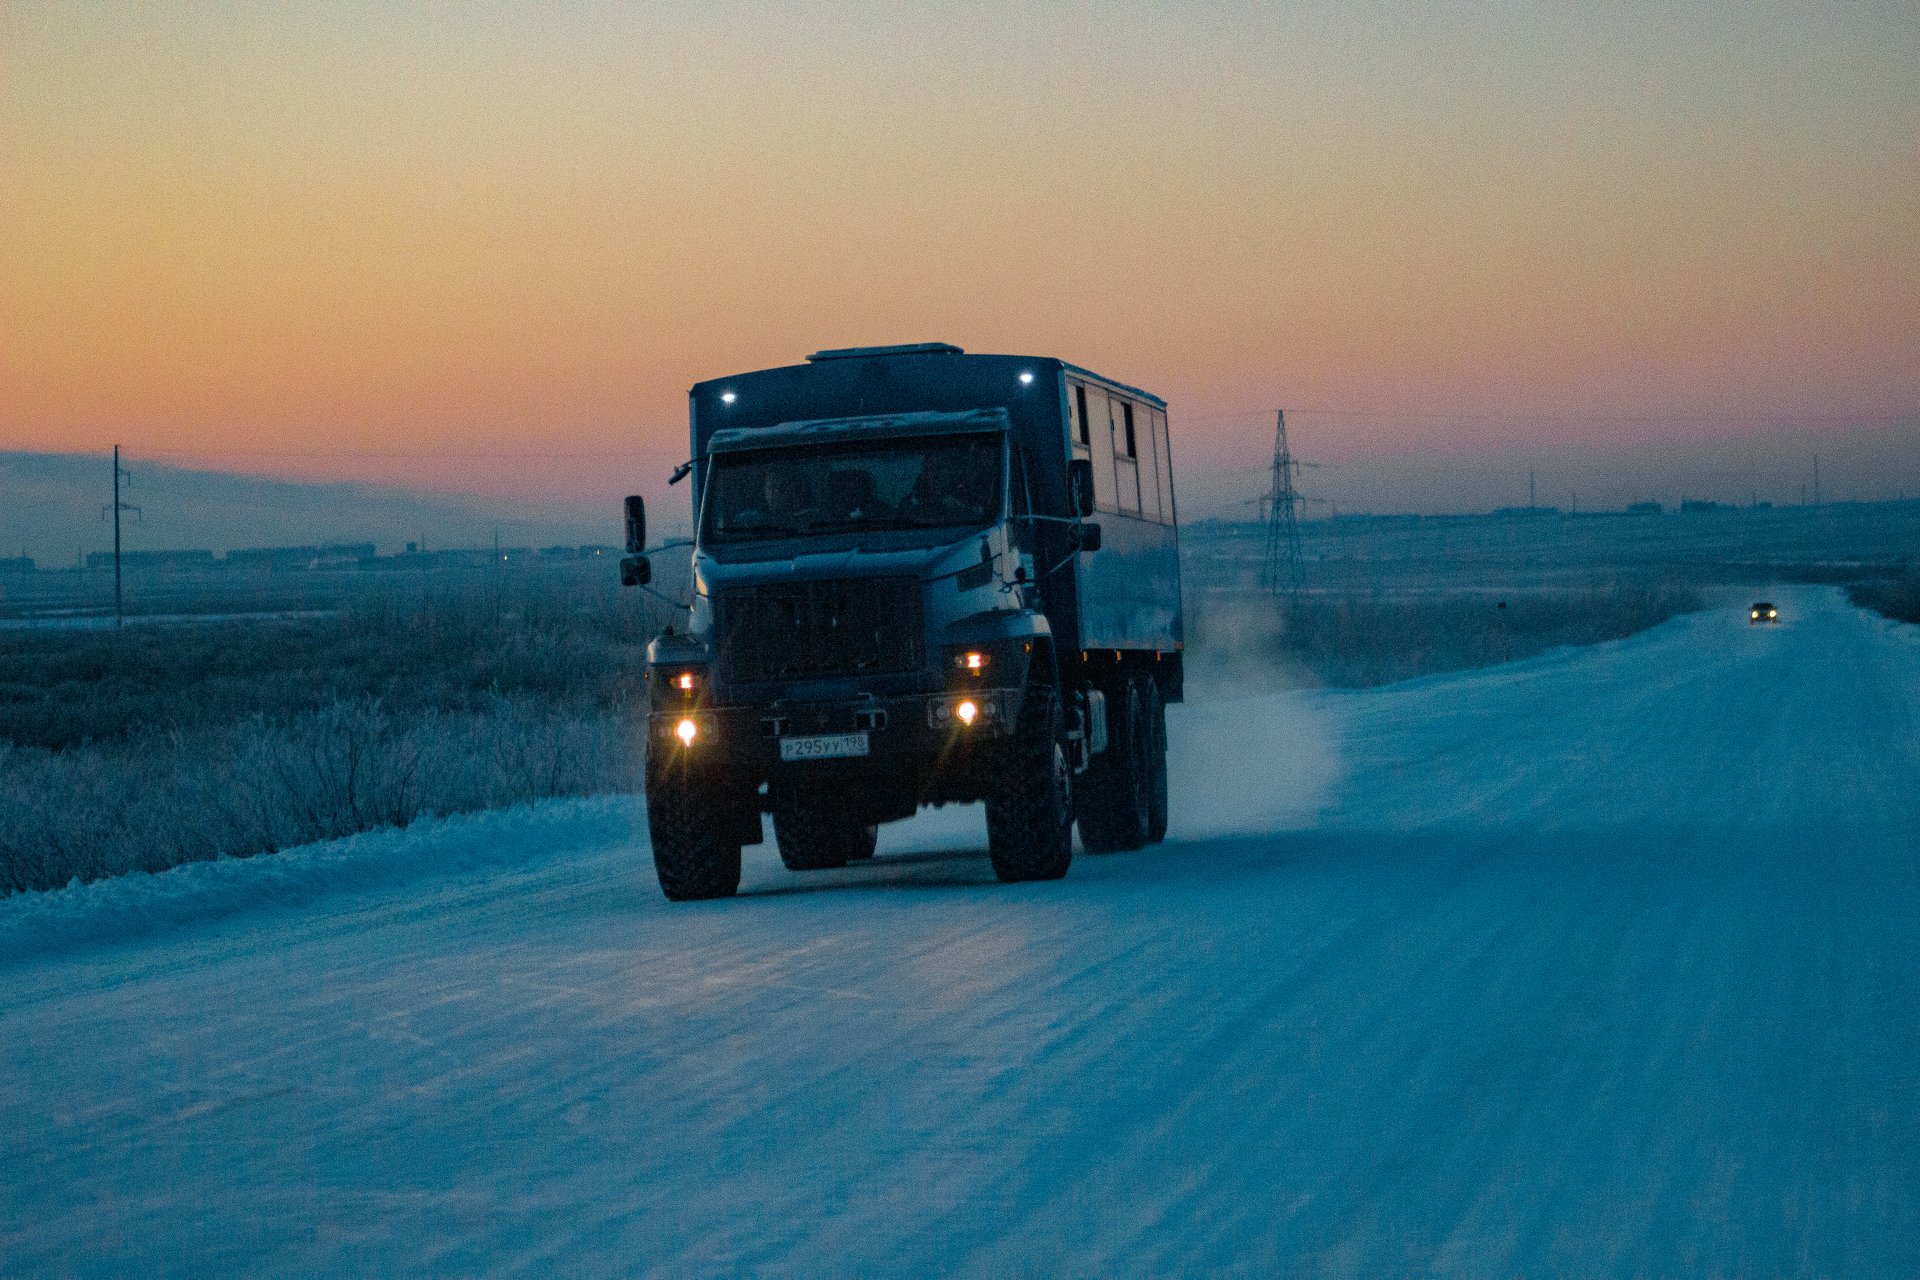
pixel 900 598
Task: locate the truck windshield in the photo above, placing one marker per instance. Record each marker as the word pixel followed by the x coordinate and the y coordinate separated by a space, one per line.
pixel 914 482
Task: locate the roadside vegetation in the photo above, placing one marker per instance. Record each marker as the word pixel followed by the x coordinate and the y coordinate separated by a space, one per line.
pixel 154 746
pixel 141 749
pixel 1897 597
pixel 1241 641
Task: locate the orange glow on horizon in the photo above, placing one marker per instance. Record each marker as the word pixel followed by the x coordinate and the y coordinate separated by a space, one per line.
pixel 349 246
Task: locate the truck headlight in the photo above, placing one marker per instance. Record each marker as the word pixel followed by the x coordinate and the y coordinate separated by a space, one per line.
pixel 686 731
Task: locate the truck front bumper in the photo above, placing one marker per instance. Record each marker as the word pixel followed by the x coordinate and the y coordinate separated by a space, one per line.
pixel 897 731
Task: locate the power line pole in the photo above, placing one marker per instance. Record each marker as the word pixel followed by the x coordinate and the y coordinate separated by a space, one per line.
pixel 1283 528
pixel 1816 479
pixel 117 506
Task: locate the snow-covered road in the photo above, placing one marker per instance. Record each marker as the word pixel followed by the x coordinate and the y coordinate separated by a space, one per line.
pixel 1603 963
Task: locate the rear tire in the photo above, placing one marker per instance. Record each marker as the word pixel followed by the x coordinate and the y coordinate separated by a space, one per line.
pixel 1115 798
pixel 1157 802
pixel 816 836
pixel 1030 795
pixel 691 855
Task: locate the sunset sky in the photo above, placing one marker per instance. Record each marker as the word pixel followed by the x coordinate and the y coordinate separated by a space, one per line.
pixel 489 247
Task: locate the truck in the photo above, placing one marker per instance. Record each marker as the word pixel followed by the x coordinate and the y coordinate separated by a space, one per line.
pixel 919 577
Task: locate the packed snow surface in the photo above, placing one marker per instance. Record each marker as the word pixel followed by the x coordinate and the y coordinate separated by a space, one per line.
pixel 1603 963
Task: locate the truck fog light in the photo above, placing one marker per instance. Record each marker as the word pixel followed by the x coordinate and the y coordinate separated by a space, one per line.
pixel 967 711
pixel 686 731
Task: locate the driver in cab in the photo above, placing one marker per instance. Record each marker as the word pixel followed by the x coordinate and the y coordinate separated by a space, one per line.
pixel 783 504
pixel 949 491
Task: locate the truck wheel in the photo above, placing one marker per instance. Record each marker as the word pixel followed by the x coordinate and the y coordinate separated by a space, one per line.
pixel 815 837
pixel 1156 764
pixel 1115 800
pixel 690 854
pixel 1030 795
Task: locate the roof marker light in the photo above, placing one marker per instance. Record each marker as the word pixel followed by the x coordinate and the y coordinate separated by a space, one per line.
pixel 727 397
pixel 1026 378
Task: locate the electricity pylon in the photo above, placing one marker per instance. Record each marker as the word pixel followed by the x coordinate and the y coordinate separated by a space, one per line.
pixel 1281 569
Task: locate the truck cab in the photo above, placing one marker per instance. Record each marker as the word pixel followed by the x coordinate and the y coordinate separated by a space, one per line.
pixel 918 577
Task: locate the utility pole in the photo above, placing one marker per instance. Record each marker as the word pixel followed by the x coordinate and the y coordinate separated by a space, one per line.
pixel 1530 499
pixel 117 506
pixel 1816 479
pixel 1283 528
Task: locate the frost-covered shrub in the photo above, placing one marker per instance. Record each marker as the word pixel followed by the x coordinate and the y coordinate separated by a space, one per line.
pixel 140 749
pixel 159 799
pixel 426 643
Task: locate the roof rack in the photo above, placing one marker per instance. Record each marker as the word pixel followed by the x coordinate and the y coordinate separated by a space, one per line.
pixel 867 353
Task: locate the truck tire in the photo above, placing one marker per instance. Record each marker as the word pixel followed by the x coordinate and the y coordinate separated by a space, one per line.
pixel 1030 795
pixel 690 854
pixel 1156 764
pixel 816 836
pixel 1115 798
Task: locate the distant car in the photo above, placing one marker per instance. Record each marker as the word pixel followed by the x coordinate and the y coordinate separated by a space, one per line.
pixel 1762 611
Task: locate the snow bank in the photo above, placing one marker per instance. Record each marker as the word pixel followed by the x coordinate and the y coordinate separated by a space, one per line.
pixel 126 907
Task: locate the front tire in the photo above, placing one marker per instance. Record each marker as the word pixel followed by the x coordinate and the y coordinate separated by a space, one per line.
pixel 1030 795
pixel 691 855
pixel 816 836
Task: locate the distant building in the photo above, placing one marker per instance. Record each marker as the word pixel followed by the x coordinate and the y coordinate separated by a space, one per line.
pixel 1645 509
pixel 336 555
pixel 1699 506
pixel 1532 512
pixel 154 561
pixel 17 564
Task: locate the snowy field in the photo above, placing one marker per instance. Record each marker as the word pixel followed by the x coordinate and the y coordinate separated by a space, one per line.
pixel 1606 962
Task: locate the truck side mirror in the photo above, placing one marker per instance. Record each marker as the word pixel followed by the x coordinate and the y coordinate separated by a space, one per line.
pixel 1088 538
pixel 1080 486
pixel 636 571
pixel 636 524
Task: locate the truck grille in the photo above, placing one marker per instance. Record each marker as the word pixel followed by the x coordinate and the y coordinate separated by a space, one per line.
pixel 840 627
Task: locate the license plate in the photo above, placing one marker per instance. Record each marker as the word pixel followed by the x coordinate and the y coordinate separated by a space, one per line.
pixel 824 746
